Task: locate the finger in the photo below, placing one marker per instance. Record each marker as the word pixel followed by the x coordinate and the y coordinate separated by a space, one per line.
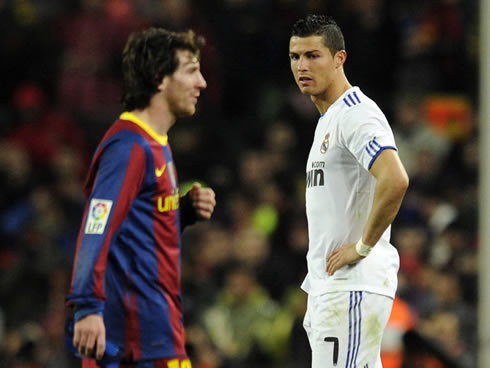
pixel 89 345
pixel 211 193
pixel 207 193
pixel 206 206
pixel 333 264
pixel 204 214
pixel 332 255
pixel 329 265
pixel 204 195
pixel 100 347
pixel 209 199
pixel 204 203
pixel 76 338
pixel 82 343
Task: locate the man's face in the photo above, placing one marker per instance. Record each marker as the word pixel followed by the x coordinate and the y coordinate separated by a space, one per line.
pixel 312 64
pixel 183 87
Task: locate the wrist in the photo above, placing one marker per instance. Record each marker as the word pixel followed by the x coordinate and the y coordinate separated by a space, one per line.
pixel 363 249
pixel 83 311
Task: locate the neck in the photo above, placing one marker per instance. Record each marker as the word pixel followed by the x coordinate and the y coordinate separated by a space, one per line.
pixel 324 100
pixel 157 116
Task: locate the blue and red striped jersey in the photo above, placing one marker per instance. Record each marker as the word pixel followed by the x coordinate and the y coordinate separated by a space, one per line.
pixel 127 260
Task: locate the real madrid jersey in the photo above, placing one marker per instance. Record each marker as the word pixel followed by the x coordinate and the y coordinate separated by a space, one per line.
pixel 339 194
pixel 127 262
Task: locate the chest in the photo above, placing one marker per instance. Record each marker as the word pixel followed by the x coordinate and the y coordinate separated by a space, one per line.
pixel 162 180
pixel 328 151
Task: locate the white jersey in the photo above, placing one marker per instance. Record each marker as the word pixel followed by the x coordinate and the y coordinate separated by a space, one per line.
pixel 339 196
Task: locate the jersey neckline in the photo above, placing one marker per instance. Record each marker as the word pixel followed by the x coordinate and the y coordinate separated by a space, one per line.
pixel 162 139
pixel 341 98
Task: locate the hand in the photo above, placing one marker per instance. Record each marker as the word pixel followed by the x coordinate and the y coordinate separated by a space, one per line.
pixel 346 254
pixel 89 333
pixel 203 200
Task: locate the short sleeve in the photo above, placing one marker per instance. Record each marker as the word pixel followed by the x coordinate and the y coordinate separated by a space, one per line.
pixel 366 134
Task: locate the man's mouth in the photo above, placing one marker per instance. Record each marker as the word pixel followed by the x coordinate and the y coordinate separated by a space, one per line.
pixel 304 81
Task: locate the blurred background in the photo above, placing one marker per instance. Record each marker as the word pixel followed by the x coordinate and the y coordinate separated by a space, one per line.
pixel 418 59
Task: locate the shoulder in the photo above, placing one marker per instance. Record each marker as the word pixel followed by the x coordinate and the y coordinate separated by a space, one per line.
pixel 359 106
pixel 122 143
pixel 122 135
pixel 360 110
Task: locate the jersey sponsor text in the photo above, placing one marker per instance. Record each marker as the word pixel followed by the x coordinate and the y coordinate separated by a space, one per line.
pixel 168 203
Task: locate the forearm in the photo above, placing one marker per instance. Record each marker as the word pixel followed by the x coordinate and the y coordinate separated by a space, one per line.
pixel 388 197
pixel 187 213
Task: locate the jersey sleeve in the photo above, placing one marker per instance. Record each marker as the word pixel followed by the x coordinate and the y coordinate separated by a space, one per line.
pixel 117 175
pixel 187 212
pixel 366 134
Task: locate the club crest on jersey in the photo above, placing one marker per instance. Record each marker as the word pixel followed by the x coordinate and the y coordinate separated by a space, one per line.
pixel 325 143
pixel 97 216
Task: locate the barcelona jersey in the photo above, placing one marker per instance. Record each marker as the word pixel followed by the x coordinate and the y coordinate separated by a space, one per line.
pixel 127 261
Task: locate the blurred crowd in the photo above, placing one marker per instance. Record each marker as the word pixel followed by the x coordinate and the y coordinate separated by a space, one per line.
pixel 418 59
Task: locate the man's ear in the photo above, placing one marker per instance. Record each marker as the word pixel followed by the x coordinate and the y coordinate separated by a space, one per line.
pixel 163 84
pixel 340 57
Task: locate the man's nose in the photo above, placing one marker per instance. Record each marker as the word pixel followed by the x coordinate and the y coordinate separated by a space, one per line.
pixel 202 82
pixel 302 63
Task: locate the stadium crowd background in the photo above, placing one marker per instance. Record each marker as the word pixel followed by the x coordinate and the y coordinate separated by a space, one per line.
pixel 418 59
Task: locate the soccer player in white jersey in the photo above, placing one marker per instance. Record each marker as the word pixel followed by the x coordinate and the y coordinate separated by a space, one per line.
pixel 355 184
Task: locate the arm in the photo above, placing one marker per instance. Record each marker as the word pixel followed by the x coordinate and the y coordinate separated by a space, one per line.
pixel 391 185
pixel 114 181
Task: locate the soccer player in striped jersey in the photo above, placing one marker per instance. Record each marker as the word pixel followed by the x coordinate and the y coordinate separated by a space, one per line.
pixel 125 287
pixel 355 184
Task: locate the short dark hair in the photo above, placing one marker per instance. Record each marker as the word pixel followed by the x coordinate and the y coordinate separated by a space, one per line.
pixel 320 25
pixel 148 57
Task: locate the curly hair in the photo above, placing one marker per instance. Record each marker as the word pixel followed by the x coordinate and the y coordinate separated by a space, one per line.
pixel 320 25
pixel 148 57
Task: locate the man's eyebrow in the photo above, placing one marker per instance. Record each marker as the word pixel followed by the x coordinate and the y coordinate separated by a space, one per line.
pixel 304 52
pixel 191 61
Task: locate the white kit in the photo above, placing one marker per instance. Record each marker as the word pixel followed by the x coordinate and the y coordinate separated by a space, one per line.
pixel 339 196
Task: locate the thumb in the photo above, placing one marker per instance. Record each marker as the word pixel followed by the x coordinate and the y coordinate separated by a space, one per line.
pixel 193 192
pixel 196 185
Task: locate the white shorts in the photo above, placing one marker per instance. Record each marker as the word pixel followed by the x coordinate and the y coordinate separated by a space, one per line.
pixel 345 328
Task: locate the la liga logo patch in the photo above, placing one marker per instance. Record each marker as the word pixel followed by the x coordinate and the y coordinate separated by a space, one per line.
pixel 100 211
pixel 97 216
